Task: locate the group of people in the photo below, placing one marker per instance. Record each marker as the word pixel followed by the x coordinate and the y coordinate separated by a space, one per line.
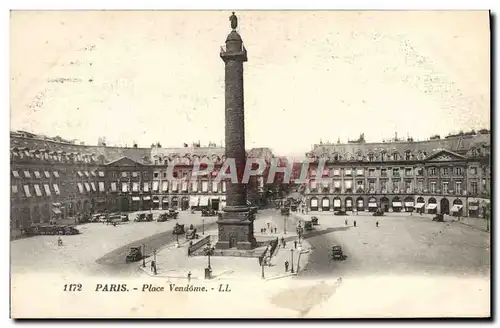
pixel 354 223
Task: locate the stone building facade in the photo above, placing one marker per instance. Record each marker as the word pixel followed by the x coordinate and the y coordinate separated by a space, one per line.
pixel 54 180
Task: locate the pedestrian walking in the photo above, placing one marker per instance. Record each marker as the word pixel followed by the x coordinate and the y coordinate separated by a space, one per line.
pixel 268 225
pixel 286 266
pixel 189 277
pixel 346 222
pixel 153 266
pixel 354 222
pixel 295 243
pixel 283 241
pixel 376 224
pixel 59 241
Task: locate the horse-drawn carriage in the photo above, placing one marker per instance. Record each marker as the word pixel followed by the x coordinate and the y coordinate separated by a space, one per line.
pixel 191 233
pixel 378 212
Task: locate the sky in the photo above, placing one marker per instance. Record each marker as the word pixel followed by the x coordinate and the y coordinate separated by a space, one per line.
pixel 156 76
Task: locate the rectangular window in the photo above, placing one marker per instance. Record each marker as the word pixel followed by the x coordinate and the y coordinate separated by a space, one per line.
pixel 458 171
pixel 194 186
pixel 79 174
pixel 408 187
pixel 101 186
pixel 47 174
pixel 113 187
pixel 473 188
pixel 348 172
pixel 15 174
pixel 14 189
pixel 420 171
pixel 408 171
pixel 395 186
pixel 336 172
pixel 383 186
pixel 101 174
pixel 124 174
pixel 445 187
pixel 360 186
pixel 135 186
pixel 156 185
pixel 86 173
pixel 80 187
pixel 445 171
pixel 184 186
pixel 125 186
pixel 135 174
pixel 204 186
pixel 93 173
pixel 395 172
pixel 336 185
pixel 215 186
pixel 47 189
pixel 27 174
pixel 164 186
pixel 371 185
pixel 87 186
pixel 27 192
pixel 348 185
pixel 473 170
pixel 92 184
pixel 458 187
pixel 383 172
pixel 432 171
pixel 371 172
pixel 224 186
pixel 56 189
pixel 312 184
pixel 146 186
pixel 37 174
pixel 420 186
pixel 164 175
pixel 175 185
pixel 156 175
pixel 56 174
pixel 359 171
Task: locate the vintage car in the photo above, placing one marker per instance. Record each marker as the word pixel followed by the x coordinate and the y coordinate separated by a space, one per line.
pixel 178 229
pixel 438 218
pixel 135 254
pixel 191 233
pixel 285 211
pixel 98 217
pixel 337 253
pixel 378 212
pixel 210 212
pixel 68 230
pixel 340 212
pixel 172 214
pixel 141 217
pixel 163 217
pixel 51 230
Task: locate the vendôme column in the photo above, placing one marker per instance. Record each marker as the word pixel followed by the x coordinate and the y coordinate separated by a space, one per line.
pixel 235 227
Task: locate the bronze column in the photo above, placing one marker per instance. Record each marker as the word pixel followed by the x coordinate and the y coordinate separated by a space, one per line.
pixel 235 227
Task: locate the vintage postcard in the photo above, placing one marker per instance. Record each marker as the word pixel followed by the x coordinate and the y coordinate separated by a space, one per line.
pixel 250 164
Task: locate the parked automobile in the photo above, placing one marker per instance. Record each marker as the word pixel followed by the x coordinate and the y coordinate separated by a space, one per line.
pixel 314 220
pixel 134 255
pixel 378 212
pixel 124 217
pixel 438 218
pixel 98 217
pixel 308 225
pixel 209 212
pixel 340 212
pixel 285 211
pixel 337 253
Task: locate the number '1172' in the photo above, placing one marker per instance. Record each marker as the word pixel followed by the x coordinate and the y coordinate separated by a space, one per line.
pixel 72 288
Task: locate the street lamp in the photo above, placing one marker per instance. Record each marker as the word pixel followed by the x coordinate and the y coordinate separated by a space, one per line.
pixel 291 254
pixel 262 265
pixel 203 226
pixel 143 255
pixel 299 249
pixel 209 251
pixel 154 259
pixel 284 222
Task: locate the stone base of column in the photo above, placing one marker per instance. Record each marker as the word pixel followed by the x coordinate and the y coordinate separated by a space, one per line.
pixel 235 231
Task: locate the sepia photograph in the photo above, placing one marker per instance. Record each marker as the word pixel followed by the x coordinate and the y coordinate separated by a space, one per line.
pixel 250 164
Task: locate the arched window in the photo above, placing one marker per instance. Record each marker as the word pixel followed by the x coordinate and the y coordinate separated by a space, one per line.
pixel 383 156
pixel 371 157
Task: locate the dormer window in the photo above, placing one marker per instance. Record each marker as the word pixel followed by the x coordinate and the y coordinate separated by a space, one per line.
pixel 407 156
pixel 371 157
pixel 395 156
pixel 383 156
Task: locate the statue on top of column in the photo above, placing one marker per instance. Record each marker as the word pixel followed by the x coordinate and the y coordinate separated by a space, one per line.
pixel 234 21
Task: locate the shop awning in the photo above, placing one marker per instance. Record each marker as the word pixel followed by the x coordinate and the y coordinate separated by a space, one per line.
pixel 56 204
pixel 397 204
pixel 164 200
pixel 456 208
pixel 223 198
pixel 473 207
pixel 136 199
pixel 348 203
pixel 409 204
pixel 372 205
pixel 419 205
pixel 146 198
pixel 156 200
pixel 55 210
pixel 193 201
pixel 432 206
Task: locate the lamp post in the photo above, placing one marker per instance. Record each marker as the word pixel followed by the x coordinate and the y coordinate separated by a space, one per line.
pixel 299 249
pixel 284 222
pixel 209 250
pixel 203 226
pixel 154 259
pixel 143 255
pixel 291 261
pixel 262 265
